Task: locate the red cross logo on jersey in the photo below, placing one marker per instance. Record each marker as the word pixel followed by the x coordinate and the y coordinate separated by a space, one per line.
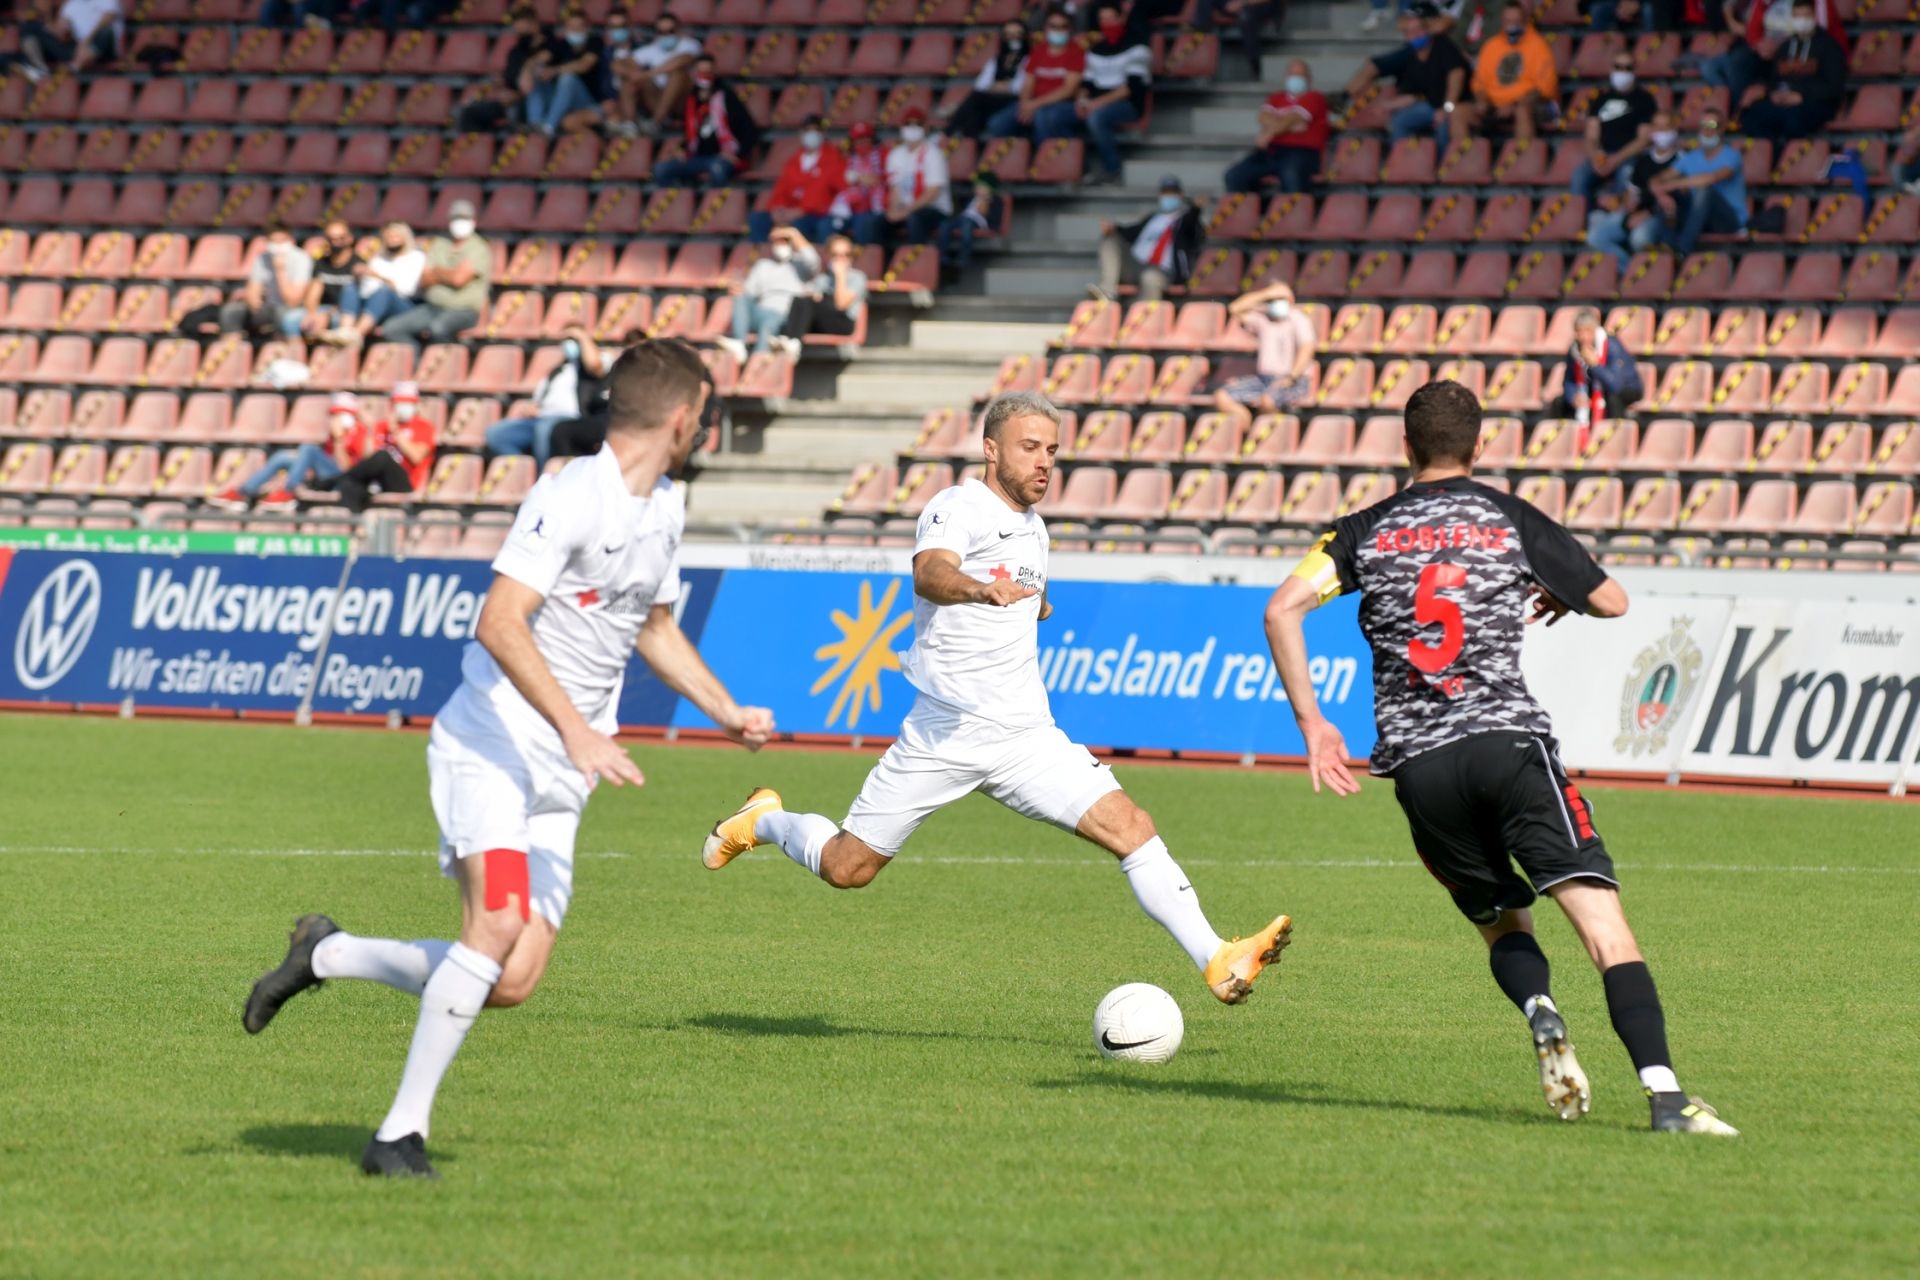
pixel 999 573
pixel 589 598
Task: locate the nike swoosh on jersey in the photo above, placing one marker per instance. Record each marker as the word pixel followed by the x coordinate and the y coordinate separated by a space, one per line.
pixel 1111 1045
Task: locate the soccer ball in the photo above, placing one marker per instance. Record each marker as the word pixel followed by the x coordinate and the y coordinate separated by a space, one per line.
pixel 1137 1023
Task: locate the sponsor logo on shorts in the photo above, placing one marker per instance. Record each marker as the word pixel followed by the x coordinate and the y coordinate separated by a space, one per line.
pixel 1663 677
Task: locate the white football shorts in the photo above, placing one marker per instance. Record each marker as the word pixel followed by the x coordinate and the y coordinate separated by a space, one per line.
pixel 941 756
pixel 497 788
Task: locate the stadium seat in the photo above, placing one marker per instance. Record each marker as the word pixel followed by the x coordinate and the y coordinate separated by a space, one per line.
pixel 1087 494
pixel 1768 506
pixel 1784 446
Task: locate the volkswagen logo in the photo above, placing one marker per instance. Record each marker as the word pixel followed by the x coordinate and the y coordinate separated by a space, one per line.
pixel 57 624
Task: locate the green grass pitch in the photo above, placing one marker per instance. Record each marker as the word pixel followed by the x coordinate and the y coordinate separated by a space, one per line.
pixel 751 1074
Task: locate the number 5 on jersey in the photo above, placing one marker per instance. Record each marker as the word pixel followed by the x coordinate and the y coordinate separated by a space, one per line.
pixel 1430 607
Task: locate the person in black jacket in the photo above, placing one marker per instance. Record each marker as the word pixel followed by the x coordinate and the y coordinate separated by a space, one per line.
pixel 1158 250
pixel 996 87
pixel 1809 75
pixel 721 134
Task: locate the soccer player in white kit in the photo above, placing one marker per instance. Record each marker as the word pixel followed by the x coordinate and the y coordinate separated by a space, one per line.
pixel 982 722
pixel 586 577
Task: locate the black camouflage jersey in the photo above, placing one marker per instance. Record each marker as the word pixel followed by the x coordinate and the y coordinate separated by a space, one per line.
pixel 1444 571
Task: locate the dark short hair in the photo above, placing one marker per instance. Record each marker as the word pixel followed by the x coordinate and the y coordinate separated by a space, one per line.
pixel 275 226
pixel 650 380
pixel 1443 424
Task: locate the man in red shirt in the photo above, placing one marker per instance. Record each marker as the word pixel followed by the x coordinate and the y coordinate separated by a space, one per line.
pixel 272 486
pixel 401 460
pixel 810 181
pixel 1292 138
pixel 1054 70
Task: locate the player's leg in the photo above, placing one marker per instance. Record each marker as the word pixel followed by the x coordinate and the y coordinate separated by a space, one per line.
pixel 1043 774
pixel 550 891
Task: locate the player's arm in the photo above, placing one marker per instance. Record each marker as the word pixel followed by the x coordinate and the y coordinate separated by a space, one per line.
pixel 1315 581
pixel 1046 605
pixel 665 648
pixel 937 580
pixel 1566 577
pixel 503 631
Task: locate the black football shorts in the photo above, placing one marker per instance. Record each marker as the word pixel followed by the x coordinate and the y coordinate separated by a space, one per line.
pixel 1485 802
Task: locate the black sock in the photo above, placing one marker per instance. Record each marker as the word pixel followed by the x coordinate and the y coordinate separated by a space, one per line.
pixel 1637 1018
pixel 1520 967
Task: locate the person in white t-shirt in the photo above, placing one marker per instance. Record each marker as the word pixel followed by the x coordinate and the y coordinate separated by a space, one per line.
pixel 82 32
pixel 982 721
pixel 919 193
pixel 586 578
pixel 651 80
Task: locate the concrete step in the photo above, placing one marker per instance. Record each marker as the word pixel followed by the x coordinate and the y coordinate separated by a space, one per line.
pixel 930 388
pixel 1063 282
pixel 994 338
pixel 752 500
pixel 834 446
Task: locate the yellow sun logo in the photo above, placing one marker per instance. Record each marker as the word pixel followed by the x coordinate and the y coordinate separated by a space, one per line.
pixel 863 653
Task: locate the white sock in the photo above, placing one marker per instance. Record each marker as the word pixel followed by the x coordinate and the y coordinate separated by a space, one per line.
pixel 1659 1079
pixel 404 966
pixel 801 836
pixel 1535 1002
pixel 1165 894
pixel 450 1001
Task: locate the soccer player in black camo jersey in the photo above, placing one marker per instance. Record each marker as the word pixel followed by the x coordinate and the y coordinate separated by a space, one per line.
pixel 1446 570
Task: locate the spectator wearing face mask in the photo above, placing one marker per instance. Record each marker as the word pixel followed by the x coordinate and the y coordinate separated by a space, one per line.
pixel 454 284
pixel 399 462
pixel 336 265
pixel 1429 75
pixel 556 399
pixel 803 196
pixel 832 302
pixel 1045 106
pixel 761 301
pixel 1113 93
pixel 720 133
pixel 982 215
pixel 1514 80
pixel 383 286
pixel 1708 185
pixel 276 285
pixel 564 82
pixel 348 441
pixel 1808 72
pixel 918 195
pixel 1286 352
pixel 1616 131
pixel 1292 137
pixel 861 206
pixel 1643 213
pixel 1157 251
pixel 1601 381
pixel 655 77
pixel 998 85
pixel 490 104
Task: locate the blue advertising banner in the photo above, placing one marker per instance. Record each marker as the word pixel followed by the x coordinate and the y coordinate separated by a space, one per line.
pixel 1126 664
pixel 219 632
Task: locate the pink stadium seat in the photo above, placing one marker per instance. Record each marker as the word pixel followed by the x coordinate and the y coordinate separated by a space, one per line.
pixel 1784 446
pixel 1158 438
pixel 1885 509
pixel 1088 494
pixel 1327 440
pixel 1102 436
pixel 1861 390
pixel 1199 495
pixel 1653 504
pixel 1255 498
pixel 1271 438
pixel 1212 439
pixel 1769 506
pixel 1312 498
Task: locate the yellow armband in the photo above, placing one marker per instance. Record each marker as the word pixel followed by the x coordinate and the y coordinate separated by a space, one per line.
pixel 1318 570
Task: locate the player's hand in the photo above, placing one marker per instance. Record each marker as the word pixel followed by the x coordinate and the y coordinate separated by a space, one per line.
pixel 1005 591
pixel 751 727
pixel 1327 759
pixel 1545 606
pixel 599 758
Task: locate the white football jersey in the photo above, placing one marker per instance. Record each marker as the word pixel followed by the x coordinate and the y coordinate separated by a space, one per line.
pixel 982 659
pixel 602 559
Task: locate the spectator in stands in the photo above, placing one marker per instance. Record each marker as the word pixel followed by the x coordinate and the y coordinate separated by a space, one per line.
pixel 383 286
pixel 1054 70
pixel 1759 28
pixel 762 300
pixel 1602 381
pixel 1113 92
pixel 1291 138
pixel 654 78
pixel 919 192
pixel 721 134
pixel 862 206
pixel 566 75
pixel 804 194
pixel 1617 128
pixel 1286 343
pixel 1624 16
pixel 454 284
pixel 1644 214
pixel 336 265
pixel 998 85
pixel 1514 80
pixel 1441 20
pixel 1904 167
pixel 348 440
pixel 1429 75
pixel 276 285
pixel 489 105
pixel 1157 251
pixel 400 461
pixel 1808 72
pixel 82 33
pixel 1708 185
pixel 1250 19
pixel 557 398
pixel 983 214
pixel 831 303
